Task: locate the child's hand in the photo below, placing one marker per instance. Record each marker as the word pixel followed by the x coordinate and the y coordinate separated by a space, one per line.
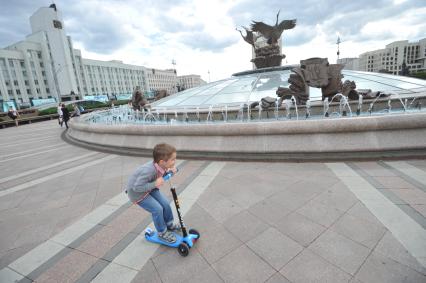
pixel 159 182
pixel 174 170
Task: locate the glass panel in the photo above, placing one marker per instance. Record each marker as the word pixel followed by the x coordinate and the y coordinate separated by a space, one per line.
pixel 194 101
pixel 242 85
pixel 272 81
pixel 233 98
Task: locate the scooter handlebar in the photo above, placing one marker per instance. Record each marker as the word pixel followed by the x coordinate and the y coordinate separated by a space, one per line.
pixel 168 175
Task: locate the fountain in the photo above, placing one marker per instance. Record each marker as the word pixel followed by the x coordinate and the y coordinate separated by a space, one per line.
pixel 215 120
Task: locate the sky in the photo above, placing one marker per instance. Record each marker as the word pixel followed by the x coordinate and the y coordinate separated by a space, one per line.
pixel 201 37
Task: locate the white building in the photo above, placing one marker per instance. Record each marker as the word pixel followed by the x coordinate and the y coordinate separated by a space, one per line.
pixel 190 81
pixel 391 58
pixel 349 63
pixel 162 79
pixel 45 66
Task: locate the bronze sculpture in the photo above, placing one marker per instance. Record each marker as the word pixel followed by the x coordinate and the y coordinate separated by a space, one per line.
pixel 273 33
pixel 267 53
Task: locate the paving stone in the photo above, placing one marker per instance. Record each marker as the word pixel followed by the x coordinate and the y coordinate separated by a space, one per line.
pixel 361 211
pixel 148 274
pixel 411 196
pixel 245 226
pixel 218 206
pixel 34 234
pixel 374 169
pixel 269 211
pixel 277 278
pixel 390 247
pixel 215 242
pixel 290 200
pixel 378 268
pixel 319 213
pixel 207 275
pixel 391 182
pixel 9 256
pixel 173 268
pixel 102 241
pixel 340 251
pixel 361 231
pixel 342 199
pixel 309 267
pixel 420 208
pixel 300 228
pixel 274 247
pixel 242 265
pixel 61 271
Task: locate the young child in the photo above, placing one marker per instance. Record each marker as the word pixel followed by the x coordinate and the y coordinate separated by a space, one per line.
pixel 142 189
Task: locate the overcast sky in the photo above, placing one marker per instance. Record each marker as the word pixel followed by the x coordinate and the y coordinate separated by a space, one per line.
pixel 201 37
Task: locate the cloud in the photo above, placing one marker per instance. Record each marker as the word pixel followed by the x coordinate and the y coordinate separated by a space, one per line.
pixel 201 35
pixel 204 41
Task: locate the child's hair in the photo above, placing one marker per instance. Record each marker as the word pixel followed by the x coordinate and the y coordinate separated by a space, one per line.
pixel 163 151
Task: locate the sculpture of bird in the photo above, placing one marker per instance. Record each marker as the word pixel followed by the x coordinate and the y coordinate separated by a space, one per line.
pixel 273 33
pixel 249 38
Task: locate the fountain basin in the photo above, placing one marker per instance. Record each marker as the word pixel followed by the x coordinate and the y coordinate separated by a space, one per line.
pixel 389 136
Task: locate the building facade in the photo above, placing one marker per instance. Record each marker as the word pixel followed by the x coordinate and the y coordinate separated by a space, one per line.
pixel 349 63
pixel 189 81
pixel 392 58
pixel 45 67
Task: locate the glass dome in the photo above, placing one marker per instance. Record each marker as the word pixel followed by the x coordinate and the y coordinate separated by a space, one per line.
pixel 251 86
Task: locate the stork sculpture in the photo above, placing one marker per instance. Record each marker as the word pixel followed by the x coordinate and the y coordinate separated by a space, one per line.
pixel 249 37
pixel 273 33
pixel 269 54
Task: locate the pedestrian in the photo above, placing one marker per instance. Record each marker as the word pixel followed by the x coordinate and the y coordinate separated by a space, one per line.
pixel 13 114
pixel 143 189
pixel 65 115
pixel 59 110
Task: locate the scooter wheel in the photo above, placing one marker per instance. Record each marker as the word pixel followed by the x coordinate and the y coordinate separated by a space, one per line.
pixel 194 232
pixel 183 249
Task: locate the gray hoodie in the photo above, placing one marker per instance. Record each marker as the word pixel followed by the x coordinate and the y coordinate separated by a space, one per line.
pixel 142 181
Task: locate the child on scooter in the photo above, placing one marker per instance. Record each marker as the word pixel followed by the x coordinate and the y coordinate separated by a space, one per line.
pixel 142 189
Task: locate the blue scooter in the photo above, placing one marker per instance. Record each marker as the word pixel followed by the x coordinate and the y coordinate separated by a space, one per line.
pixel 183 243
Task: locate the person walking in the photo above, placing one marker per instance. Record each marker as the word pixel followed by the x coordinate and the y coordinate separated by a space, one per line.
pixel 59 110
pixel 13 114
pixel 65 115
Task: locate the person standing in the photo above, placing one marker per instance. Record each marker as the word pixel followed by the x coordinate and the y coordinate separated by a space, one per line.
pixel 65 115
pixel 13 114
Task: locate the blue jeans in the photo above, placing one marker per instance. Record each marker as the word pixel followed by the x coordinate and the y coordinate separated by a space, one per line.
pixel 158 205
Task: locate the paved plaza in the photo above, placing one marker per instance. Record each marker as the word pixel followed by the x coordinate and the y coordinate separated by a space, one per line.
pixel 64 218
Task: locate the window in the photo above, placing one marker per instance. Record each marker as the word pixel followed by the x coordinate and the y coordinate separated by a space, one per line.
pixel 36 82
pixel 9 91
pixel 11 63
pixel 15 82
pixel 22 64
pixel 28 91
pixel 57 24
pixel 18 92
pixel 39 55
pixel 47 90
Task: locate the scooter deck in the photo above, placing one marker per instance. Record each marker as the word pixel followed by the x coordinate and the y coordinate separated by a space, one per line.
pixel 155 239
